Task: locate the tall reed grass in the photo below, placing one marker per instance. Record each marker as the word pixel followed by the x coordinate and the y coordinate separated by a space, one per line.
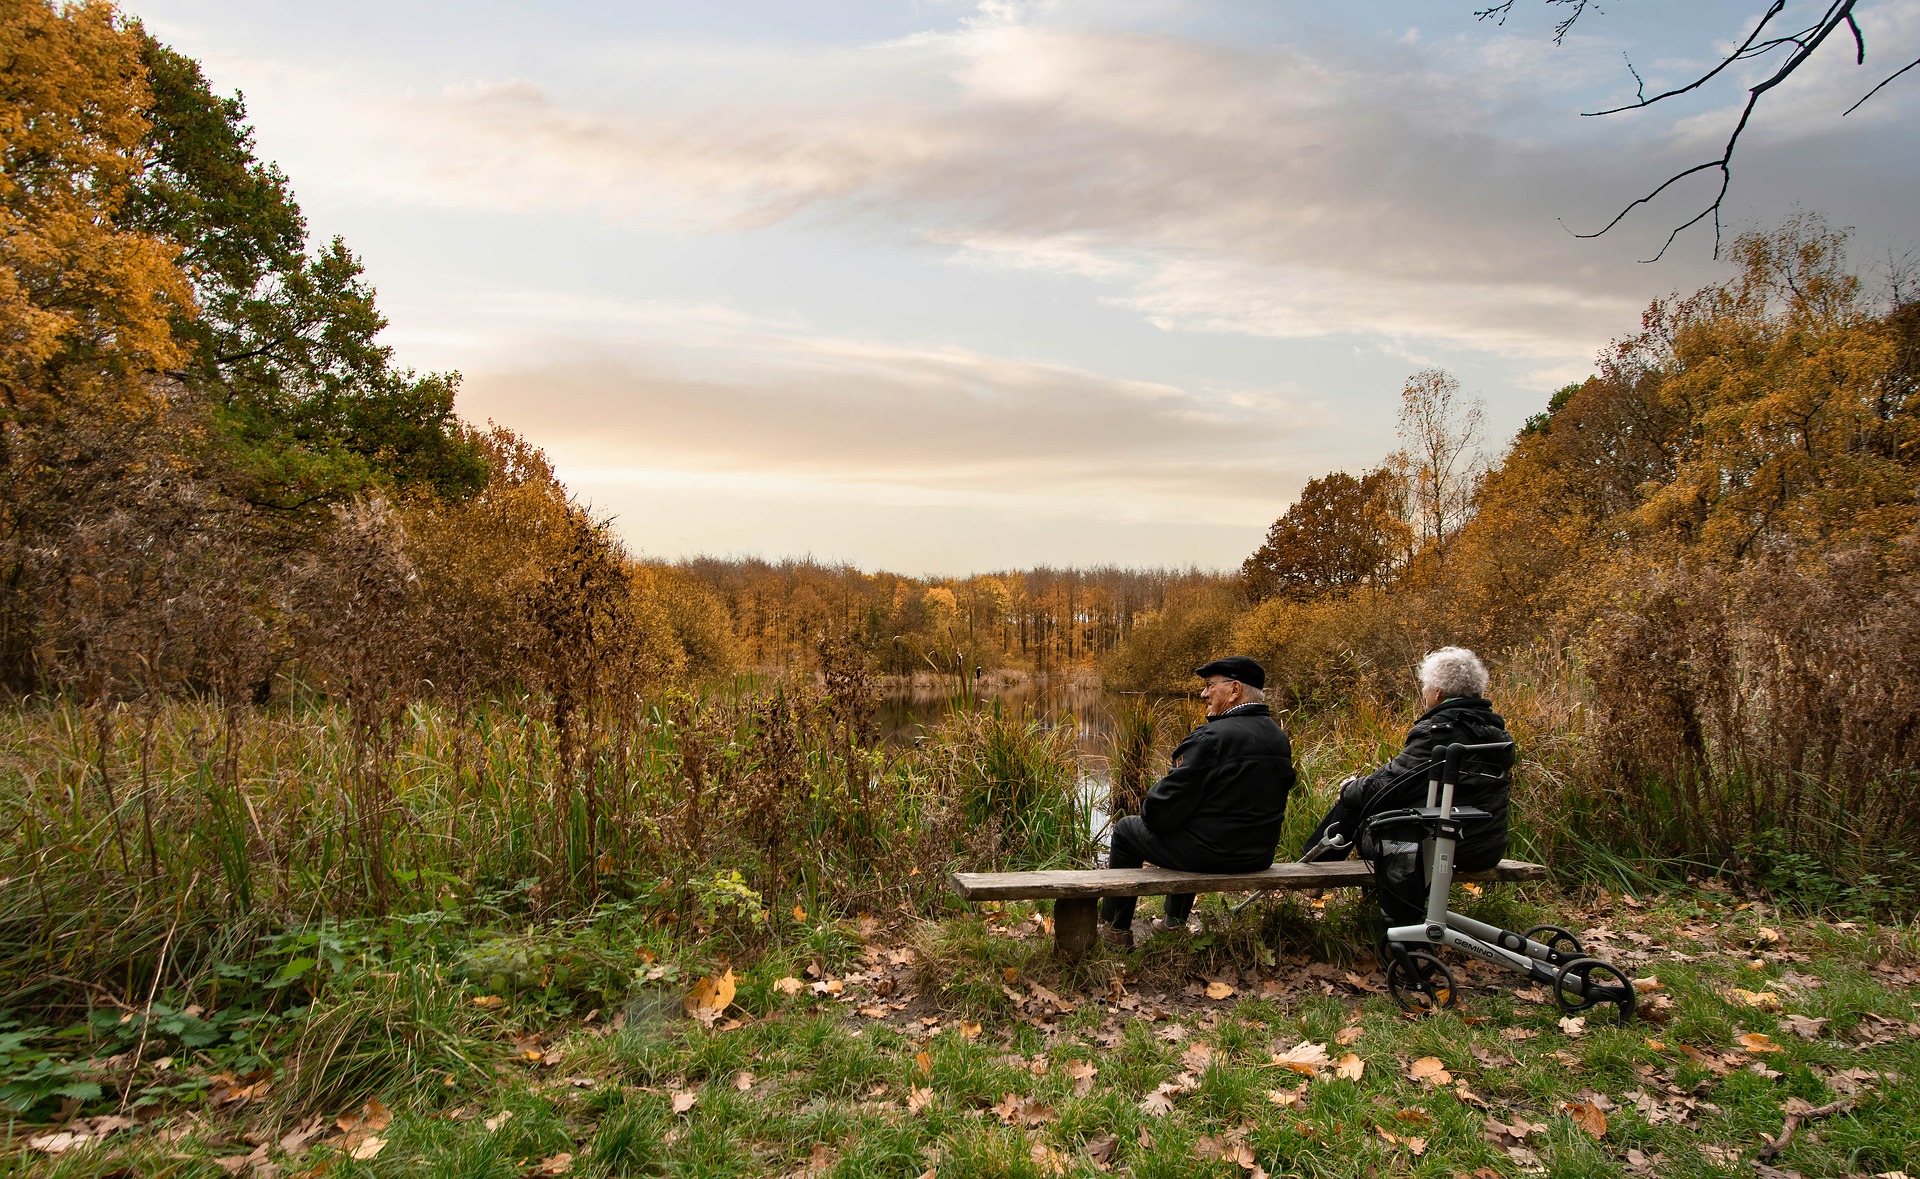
pixel 137 849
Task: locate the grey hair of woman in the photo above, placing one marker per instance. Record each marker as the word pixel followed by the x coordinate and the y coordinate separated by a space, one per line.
pixel 1453 671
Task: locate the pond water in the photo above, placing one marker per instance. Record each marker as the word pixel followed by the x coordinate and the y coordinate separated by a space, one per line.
pixel 906 713
pixel 1089 709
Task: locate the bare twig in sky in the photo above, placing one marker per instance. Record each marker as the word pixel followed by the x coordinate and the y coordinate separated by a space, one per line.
pixel 1798 45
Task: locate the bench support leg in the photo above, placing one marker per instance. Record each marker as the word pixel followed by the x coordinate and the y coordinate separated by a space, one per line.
pixel 1076 926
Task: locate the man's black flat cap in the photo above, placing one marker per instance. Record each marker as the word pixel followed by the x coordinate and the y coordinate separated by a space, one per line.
pixel 1235 667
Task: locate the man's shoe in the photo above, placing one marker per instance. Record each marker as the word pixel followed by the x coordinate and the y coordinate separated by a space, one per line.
pixel 1159 925
pixel 1119 939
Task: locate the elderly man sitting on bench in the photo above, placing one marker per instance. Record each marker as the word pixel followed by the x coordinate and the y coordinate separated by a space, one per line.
pixel 1219 807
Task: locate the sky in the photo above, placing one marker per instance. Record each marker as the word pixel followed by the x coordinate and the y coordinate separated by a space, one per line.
pixel 953 287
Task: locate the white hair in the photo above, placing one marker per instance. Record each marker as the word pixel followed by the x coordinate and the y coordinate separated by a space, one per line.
pixel 1453 671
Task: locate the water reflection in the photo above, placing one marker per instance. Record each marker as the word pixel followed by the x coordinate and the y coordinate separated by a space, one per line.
pixel 907 713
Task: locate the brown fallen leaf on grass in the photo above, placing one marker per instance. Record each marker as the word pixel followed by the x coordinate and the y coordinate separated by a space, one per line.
pixel 1415 1146
pixel 743 1080
pixel 1307 1058
pixel 789 985
pixel 1197 1058
pixel 923 1062
pixel 1766 1001
pixel 1287 1097
pixel 1016 1110
pixel 1430 1070
pixel 710 998
pixel 1350 1067
pixel 1101 1148
pixel 1574 1025
pixel 1219 990
pixel 1756 1042
pixel 1082 1072
pixel 1518 1033
pixel 497 1120
pixel 1349 1035
pixel 684 1101
pixel 1805 1027
pixel 1173 1033
pixel 368 1147
pixel 488 1002
pixel 558 1164
pixel 1587 1116
pixel 969 1029
pixel 918 1099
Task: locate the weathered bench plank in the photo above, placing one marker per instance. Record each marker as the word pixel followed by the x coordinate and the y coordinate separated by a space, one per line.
pixel 1122 882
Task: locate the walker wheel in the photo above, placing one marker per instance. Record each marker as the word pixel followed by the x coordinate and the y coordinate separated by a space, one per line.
pixel 1595 988
pixel 1556 940
pixel 1420 982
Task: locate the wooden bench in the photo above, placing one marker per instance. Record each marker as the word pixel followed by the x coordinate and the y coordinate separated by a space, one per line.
pixel 1076 894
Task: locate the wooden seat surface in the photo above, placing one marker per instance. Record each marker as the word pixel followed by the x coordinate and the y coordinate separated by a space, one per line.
pixel 1123 882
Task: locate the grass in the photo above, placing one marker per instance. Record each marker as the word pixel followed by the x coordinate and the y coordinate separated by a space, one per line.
pixel 960 1085
pixel 517 1004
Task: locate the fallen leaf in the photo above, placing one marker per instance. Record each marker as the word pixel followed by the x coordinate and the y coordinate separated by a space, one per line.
pixel 1349 1035
pixel 1219 990
pixel 799 914
pixel 1648 984
pixel 1574 1025
pixel 1082 1072
pixel 60 1142
pixel 488 1001
pixel 498 1120
pixel 874 1011
pixel 1350 1067
pixel 1286 1097
pixel 1756 1042
pixel 1173 1033
pixel 1587 1116
pixel 1100 1149
pixel 789 985
pixel 683 1101
pixel 1430 1069
pixel 923 1062
pixel 710 998
pixel 918 1099
pixel 1197 1058
pixel 1304 1057
pixel 1415 1146
pixel 969 1029
pixel 367 1148
pixel 559 1164
pixel 1759 1000
pixel 1804 1027
pixel 743 1080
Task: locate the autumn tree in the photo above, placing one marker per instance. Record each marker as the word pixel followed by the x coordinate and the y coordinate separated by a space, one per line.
pixel 284 340
pixel 1340 534
pixel 1439 455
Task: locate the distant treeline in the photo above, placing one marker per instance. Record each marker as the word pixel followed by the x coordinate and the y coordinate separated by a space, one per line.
pixel 1039 620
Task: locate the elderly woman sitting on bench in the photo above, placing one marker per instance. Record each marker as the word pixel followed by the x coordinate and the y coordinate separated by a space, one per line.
pixel 1453 692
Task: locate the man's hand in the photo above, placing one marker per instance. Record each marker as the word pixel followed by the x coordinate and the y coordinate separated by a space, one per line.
pixel 1352 786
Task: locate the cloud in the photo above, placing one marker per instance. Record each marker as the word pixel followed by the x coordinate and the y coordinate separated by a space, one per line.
pixel 647 388
pixel 1215 188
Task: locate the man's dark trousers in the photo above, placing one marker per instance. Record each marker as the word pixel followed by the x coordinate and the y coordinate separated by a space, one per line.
pixel 1134 845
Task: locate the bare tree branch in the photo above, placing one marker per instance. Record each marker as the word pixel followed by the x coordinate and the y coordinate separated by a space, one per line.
pixel 1877 89
pixel 1737 55
pixel 1800 45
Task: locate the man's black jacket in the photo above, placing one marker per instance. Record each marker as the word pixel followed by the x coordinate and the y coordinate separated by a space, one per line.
pixel 1221 803
pixel 1484 778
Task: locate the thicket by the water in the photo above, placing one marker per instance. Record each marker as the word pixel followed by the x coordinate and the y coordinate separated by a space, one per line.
pixel 1712 543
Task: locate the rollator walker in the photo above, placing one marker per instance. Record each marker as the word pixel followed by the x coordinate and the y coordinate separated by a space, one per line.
pixel 1417 979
